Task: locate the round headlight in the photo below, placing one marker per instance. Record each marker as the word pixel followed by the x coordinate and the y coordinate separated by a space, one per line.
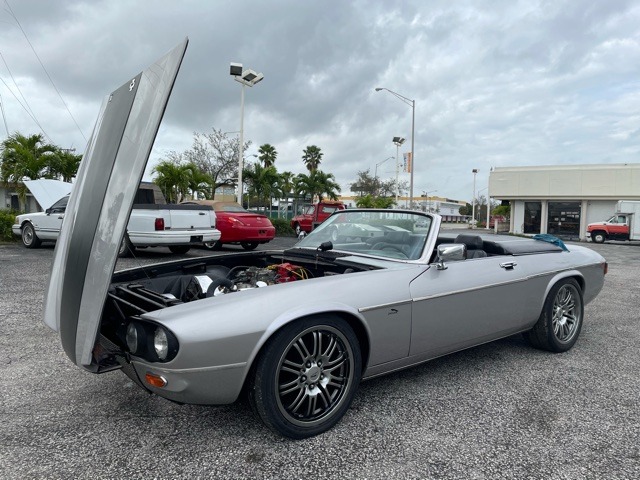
pixel 161 343
pixel 132 338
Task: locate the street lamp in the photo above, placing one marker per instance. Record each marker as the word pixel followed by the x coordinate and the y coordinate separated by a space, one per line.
pixel 473 200
pixel 412 104
pixel 375 176
pixel 397 141
pixel 247 78
pixel 428 202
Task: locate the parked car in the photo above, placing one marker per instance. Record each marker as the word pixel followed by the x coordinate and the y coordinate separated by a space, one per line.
pixel 314 215
pixel 624 225
pixel 365 294
pixel 237 225
pixel 153 222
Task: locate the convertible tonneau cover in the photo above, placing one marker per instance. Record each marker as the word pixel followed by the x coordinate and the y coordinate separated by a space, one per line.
pixel 505 244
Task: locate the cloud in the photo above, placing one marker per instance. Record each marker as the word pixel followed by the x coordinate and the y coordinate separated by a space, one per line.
pixel 495 83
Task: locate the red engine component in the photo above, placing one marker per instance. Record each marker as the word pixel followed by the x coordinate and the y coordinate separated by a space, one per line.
pixel 287 272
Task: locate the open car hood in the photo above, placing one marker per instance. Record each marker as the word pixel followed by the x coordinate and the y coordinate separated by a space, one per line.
pixel 100 203
pixel 47 192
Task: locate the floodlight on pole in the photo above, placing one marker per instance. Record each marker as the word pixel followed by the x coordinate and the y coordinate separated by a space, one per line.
pixel 412 104
pixel 247 78
pixel 473 205
pixel 397 141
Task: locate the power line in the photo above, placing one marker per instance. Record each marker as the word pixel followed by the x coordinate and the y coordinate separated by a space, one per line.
pixel 26 110
pixel 43 67
pixel 4 116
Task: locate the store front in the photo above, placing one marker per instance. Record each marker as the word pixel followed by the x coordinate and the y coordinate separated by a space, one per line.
pixel 564 219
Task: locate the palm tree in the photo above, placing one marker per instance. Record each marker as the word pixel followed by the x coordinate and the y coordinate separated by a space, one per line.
pixel 312 156
pixel 25 157
pixel 262 182
pixel 317 183
pixel 286 186
pixel 267 155
pixel 65 164
pixel 173 179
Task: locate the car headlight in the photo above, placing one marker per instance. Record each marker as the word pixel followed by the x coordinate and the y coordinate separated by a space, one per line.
pixel 161 343
pixel 134 334
pixel 150 341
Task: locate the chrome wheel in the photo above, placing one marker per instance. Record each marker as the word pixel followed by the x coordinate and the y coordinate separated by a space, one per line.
pixel 314 373
pixel 567 313
pixel 298 229
pixel 29 237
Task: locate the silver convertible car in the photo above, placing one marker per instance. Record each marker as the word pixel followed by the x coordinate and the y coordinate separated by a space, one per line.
pixel 367 293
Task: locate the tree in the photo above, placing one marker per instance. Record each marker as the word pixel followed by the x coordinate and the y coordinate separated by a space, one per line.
pixel 369 201
pixel 26 157
pixel 176 178
pixel 286 187
pixel 216 155
pixel 262 182
pixel 64 164
pixel 317 183
pixel 466 210
pixel 267 154
pixel 366 184
pixel 312 156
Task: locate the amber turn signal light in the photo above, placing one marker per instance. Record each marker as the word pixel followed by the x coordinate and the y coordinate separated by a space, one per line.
pixel 155 380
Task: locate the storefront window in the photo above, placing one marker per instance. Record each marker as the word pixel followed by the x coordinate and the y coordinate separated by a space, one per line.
pixel 532 217
pixel 564 219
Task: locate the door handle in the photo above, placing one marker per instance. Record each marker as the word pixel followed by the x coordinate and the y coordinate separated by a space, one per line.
pixel 201 213
pixel 508 265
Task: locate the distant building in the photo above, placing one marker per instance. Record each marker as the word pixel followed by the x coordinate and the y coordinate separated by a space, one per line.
pixel 563 200
pixel 10 199
pixel 448 208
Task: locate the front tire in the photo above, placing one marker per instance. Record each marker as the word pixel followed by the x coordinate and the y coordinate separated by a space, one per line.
pixel 213 245
pixel 560 322
pixel 598 237
pixel 29 237
pixel 297 229
pixel 306 377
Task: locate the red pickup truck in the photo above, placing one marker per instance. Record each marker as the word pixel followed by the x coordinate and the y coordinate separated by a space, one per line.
pixel 314 215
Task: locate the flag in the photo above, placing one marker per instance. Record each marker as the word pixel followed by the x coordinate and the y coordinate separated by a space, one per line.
pixel 407 162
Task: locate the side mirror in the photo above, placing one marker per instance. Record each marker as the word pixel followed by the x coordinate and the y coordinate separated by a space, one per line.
pixel 48 211
pixel 450 252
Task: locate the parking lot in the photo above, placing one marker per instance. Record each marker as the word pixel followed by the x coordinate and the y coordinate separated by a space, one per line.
pixel 501 410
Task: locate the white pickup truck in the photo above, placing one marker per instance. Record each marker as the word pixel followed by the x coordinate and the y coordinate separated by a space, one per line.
pixel 153 222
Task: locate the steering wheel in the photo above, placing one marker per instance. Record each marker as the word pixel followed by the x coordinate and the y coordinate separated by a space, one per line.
pixel 388 246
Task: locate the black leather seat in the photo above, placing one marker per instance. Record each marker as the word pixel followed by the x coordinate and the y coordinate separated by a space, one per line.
pixel 473 244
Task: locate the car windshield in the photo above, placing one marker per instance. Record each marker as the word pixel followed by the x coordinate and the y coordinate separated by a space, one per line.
pixel 382 233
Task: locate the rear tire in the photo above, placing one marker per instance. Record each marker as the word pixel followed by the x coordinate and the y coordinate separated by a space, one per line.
pixel 29 237
pixel 598 237
pixel 126 247
pixel 306 376
pixel 249 245
pixel 213 245
pixel 179 249
pixel 560 322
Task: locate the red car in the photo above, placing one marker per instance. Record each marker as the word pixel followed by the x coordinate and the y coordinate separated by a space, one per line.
pixel 238 225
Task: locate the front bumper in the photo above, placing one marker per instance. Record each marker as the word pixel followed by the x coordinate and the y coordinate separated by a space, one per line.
pixel 217 385
pixel 15 228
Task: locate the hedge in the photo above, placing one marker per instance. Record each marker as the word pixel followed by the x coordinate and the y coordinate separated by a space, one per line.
pixel 7 217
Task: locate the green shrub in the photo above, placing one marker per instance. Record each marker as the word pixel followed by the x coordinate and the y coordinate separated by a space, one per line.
pixel 7 218
pixel 283 228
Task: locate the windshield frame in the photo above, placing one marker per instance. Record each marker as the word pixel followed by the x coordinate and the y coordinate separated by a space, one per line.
pixel 361 229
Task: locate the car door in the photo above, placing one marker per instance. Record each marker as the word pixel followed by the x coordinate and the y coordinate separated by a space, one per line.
pixel 470 302
pixel 49 225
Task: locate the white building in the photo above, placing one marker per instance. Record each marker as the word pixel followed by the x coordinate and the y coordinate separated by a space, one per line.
pixel 563 200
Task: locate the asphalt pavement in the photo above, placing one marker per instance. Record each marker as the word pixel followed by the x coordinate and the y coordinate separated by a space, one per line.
pixel 501 410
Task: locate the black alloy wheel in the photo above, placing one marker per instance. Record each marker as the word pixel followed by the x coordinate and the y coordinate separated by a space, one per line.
pixel 306 377
pixel 249 245
pixel 560 322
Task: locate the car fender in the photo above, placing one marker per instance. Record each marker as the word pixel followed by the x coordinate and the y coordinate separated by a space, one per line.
pixel 301 312
pixel 558 277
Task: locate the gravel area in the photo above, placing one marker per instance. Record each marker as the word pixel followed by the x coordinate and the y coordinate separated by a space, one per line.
pixel 501 410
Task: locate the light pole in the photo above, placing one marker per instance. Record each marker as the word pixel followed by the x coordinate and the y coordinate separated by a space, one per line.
pixel 428 202
pixel 375 176
pixel 397 141
pixel 412 104
pixel 473 200
pixel 247 78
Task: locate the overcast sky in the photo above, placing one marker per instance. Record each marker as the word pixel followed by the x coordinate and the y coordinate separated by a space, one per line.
pixel 496 83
